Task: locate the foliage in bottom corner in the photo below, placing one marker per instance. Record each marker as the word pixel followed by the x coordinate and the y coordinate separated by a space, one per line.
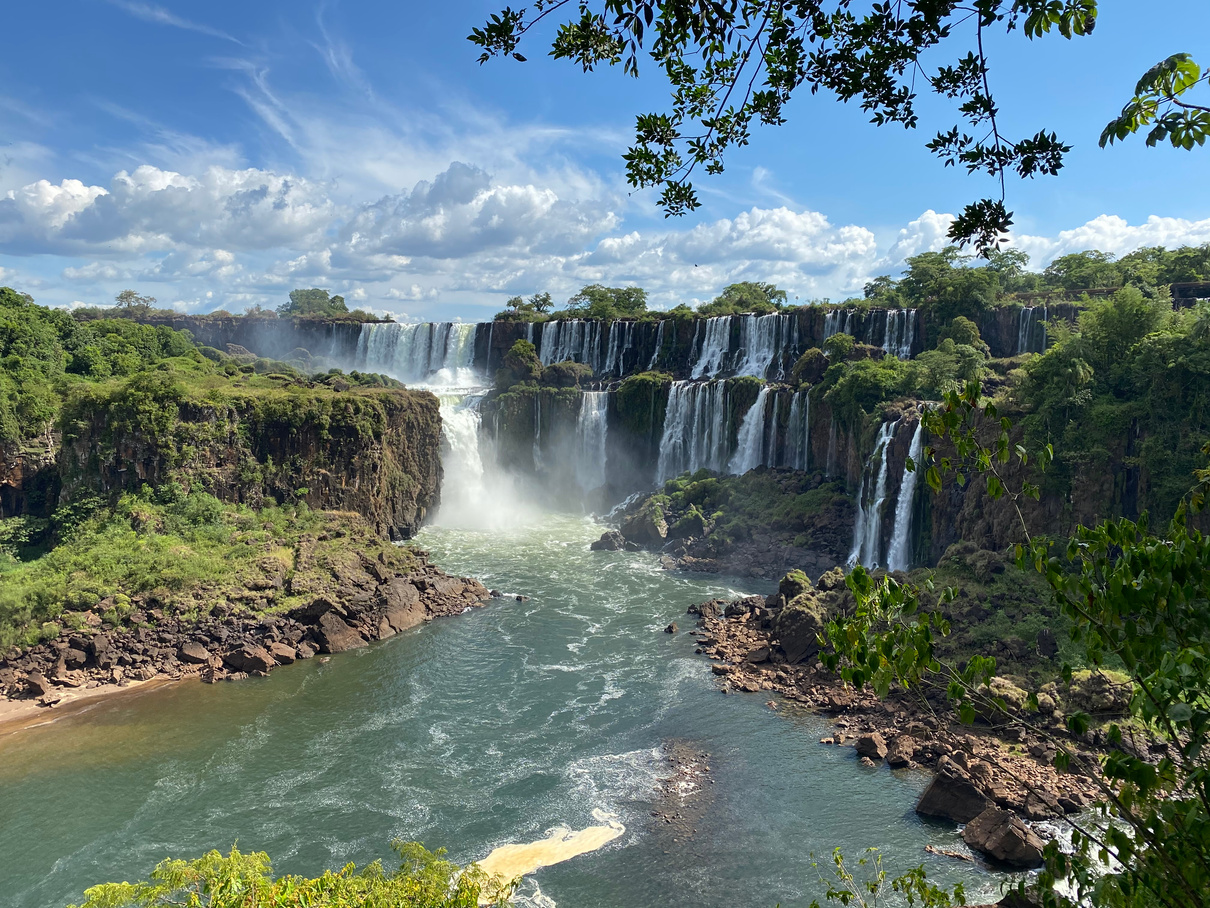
pixel 424 880
pixel 872 887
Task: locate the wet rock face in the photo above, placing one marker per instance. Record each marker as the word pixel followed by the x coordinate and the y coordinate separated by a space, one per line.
pixel 951 795
pixel 1003 837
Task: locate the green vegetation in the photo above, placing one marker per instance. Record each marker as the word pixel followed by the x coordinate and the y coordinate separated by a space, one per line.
pixel 731 67
pixel 1132 599
pixel 753 297
pixel 1130 385
pixel 424 879
pixel 183 551
pixel 735 509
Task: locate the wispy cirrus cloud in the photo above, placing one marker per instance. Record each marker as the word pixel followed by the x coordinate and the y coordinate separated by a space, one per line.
pixel 149 12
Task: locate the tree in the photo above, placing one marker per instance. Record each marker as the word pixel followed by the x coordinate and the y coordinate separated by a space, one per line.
pixel 738 62
pixel 597 301
pixel 131 301
pixel 313 302
pixel 747 296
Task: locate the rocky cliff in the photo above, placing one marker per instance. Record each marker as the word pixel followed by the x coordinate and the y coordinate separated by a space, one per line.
pixel 372 451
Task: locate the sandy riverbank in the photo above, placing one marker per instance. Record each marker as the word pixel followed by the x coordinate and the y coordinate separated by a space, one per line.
pixel 19 715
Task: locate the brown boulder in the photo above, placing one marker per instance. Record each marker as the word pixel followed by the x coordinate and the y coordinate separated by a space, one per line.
pixel 952 796
pixel 38 685
pixel 335 636
pixel 901 751
pixel 1002 836
pixel 250 658
pixel 872 746
pixel 282 653
pixel 193 653
pixel 610 541
pixel 797 627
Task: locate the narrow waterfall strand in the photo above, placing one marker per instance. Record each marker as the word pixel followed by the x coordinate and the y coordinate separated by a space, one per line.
pixel 899 556
pixel 867 530
pixel 793 456
pixel 659 345
pixel 749 448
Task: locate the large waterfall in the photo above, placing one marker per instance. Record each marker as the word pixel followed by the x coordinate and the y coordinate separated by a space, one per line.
pixel 695 429
pixel 867 529
pixel 1031 330
pixel 590 440
pixel 899 555
pixel 762 342
pixel 749 447
pixel 437 353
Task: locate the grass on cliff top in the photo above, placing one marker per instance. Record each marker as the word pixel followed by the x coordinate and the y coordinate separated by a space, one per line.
pixel 180 552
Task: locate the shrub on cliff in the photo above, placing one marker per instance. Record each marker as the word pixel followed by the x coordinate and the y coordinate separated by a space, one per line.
pixel 521 364
pixel 567 374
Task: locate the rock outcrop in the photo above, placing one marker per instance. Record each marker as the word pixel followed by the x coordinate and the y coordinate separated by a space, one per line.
pixel 1001 836
pixel 374 451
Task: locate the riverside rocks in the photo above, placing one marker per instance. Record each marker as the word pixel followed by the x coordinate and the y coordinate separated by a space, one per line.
pixel 1002 836
pixel 975 768
pixel 232 641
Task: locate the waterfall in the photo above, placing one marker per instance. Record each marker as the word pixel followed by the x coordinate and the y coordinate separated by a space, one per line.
pixel 749 447
pixel 576 339
pixel 899 557
pixel 463 492
pixel 615 358
pixel 695 429
pixel 538 430
pixel 659 345
pixel 715 347
pixel 867 529
pixel 899 332
pixel 798 431
pixel 1029 326
pixel 590 440
pixel 761 340
pixel 439 353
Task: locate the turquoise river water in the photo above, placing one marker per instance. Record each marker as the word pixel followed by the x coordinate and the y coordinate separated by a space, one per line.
pixel 469 733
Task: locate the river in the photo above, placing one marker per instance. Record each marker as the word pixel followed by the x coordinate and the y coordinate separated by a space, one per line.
pixel 468 733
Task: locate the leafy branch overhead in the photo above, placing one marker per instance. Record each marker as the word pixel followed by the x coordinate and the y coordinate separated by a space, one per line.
pixel 732 64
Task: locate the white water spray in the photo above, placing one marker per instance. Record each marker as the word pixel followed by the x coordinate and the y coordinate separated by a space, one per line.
pixel 899 557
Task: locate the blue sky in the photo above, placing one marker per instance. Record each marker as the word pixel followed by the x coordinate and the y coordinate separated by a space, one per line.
pixel 218 154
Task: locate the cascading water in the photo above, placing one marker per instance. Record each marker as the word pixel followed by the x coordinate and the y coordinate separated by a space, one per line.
pixel 591 427
pixel 659 345
pixel 574 338
pixel 463 490
pixel 1031 330
pixel 762 339
pixel 437 353
pixel 899 332
pixel 695 429
pixel 899 555
pixel 771 444
pixel 715 347
pixel 749 447
pixel 867 529
pixel 798 432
